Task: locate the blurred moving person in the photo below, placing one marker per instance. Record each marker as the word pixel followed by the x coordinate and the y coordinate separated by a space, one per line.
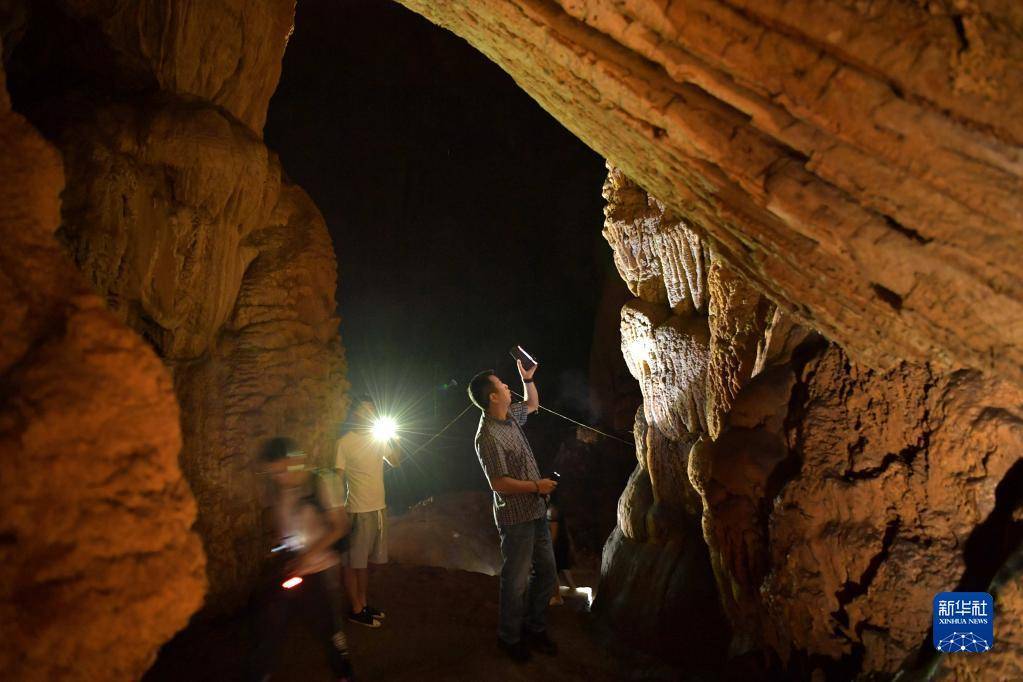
pixel 309 522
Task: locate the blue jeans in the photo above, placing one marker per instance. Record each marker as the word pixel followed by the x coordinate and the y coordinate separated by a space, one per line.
pixel 528 577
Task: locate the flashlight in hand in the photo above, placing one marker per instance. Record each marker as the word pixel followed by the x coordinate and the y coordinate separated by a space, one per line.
pixel 384 429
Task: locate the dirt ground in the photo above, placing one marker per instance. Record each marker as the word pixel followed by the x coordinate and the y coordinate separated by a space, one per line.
pixel 440 625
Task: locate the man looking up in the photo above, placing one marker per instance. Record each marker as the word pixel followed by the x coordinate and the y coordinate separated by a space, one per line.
pixel 520 511
pixel 360 461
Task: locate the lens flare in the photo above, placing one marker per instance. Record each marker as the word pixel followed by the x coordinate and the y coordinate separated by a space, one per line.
pixel 291 582
pixel 586 592
pixel 385 428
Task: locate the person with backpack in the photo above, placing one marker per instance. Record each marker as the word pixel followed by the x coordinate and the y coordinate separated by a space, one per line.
pixel 310 525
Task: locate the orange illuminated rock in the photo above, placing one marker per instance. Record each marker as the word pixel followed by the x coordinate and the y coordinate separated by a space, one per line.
pixel 857 163
pixel 179 217
pixel 835 500
pixel 98 562
pixel 227 52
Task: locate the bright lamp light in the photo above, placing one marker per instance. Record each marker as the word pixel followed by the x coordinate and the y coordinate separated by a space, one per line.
pixel 384 428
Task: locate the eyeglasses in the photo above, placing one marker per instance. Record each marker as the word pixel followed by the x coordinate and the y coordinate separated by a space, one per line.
pixel 295 454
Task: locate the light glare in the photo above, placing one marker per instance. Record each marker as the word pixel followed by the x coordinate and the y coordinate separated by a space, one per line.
pixel 384 429
pixel 291 582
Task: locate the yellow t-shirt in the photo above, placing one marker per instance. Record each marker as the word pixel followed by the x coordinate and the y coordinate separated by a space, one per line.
pixel 361 457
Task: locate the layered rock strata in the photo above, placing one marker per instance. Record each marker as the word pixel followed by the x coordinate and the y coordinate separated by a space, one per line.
pixel 858 163
pixel 98 562
pixel 183 221
pixel 835 500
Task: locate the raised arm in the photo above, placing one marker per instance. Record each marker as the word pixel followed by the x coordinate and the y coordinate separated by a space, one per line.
pixel 529 388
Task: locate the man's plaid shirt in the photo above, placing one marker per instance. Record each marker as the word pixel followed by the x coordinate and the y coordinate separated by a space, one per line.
pixel 504 451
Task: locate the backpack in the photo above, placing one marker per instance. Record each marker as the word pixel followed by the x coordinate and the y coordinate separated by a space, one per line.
pixel 312 497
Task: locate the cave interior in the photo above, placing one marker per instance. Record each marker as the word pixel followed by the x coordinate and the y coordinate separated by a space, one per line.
pixel 765 248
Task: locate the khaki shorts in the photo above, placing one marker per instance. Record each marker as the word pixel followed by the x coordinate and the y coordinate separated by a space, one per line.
pixel 368 541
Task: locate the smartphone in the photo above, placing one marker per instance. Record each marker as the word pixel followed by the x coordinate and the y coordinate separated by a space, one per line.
pixel 519 353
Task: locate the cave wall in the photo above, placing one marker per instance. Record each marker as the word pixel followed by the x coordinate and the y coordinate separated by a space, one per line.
pixel 826 326
pixel 835 500
pixel 856 162
pixel 185 224
pixel 98 561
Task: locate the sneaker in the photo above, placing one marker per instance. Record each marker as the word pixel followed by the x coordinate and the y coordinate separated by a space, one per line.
pixel 540 642
pixel 363 618
pixel 375 612
pixel 518 651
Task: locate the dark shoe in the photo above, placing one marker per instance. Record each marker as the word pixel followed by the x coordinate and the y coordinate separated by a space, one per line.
pixel 518 651
pixel 541 642
pixel 348 675
pixel 363 618
pixel 375 612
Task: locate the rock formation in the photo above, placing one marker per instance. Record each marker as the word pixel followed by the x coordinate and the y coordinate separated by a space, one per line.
pixel 98 563
pixel 453 531
pixel 835 500
pixel 184 222
pixel 857 163
pixel 826 326
pixel 827 331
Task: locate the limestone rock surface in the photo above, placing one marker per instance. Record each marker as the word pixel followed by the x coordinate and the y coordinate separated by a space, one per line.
pixel 160 198
pixel 837 531
pixel 733 477
pixel 835 499
pixel 647 584
pixel 782 335
pixel 634 504
pixel 227 52
pixel 277 368
pixel 858 163
pixel 668 356
pixel 98 562
pixel 693 336
pixel 737 318
pixel 453 531
pixel 182 220
pixel 658 256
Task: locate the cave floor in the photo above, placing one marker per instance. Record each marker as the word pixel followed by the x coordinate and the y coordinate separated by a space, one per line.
pixel 440 626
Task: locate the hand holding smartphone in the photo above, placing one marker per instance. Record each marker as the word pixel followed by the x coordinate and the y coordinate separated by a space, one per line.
pixel 520 354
